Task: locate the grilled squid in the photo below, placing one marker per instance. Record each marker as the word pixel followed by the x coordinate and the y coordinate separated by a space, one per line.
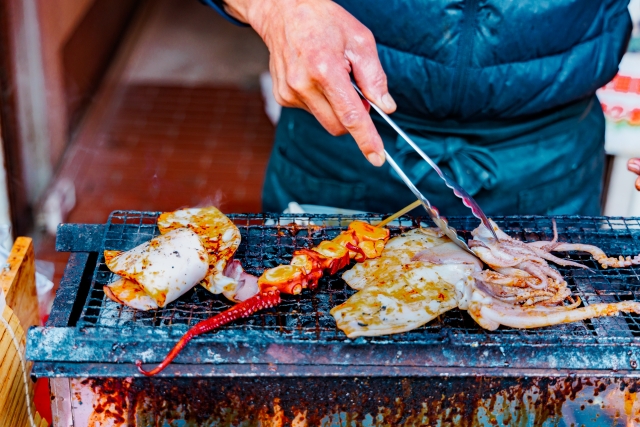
pixel 159 271
pixel 422 274
pixel 220 237
pixel 195 246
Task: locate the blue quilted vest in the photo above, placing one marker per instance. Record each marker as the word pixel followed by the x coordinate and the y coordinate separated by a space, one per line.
pixel 501 93
pixel 476 60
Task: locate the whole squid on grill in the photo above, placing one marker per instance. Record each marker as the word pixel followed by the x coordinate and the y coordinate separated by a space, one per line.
pixel 361 241
pixel 419 277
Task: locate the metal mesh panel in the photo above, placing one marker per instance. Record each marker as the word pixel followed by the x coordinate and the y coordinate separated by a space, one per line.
pixel 269 240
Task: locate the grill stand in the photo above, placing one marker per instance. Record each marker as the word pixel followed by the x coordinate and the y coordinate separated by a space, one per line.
pixel 279 373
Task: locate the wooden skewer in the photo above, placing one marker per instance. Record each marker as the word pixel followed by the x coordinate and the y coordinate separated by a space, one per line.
pixel 401 212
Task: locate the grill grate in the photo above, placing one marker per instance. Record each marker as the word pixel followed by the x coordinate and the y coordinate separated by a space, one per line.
pixel 270 239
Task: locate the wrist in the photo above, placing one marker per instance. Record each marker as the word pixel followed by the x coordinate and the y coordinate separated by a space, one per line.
pixel 249 11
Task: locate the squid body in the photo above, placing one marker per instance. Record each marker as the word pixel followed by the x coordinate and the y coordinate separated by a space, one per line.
pixel 159 271
pixel 196 245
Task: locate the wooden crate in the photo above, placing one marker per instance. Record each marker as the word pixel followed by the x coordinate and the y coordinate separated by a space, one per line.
pixel 20 311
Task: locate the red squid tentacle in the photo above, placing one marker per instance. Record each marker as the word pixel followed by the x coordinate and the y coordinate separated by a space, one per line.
pixel 358 250
pixel 246 308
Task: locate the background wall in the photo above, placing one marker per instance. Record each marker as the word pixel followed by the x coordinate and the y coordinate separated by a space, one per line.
pixel 58 19
pixel 54 54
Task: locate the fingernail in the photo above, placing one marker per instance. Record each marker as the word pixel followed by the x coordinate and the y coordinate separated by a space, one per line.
pixel 375 159
pixel 388 102
pixel 634 167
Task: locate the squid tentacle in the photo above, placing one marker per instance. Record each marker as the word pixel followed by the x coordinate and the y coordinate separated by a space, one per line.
pixel 537 271
pixel 599 255
pixel 246 308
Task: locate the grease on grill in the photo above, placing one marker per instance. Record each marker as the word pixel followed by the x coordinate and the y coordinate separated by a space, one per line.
pixel 465 402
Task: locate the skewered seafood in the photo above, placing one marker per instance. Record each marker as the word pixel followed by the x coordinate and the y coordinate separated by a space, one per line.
pixel 359 241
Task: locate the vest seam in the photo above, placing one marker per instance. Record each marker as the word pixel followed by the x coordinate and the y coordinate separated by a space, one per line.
pixel 584 42
pixel 466 42
pixel 607 30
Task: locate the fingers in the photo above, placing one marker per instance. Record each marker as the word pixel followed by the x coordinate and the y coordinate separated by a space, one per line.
pixel 634 166
pixel 334 102
pixel 348 107
pixel 368 72
pixel 322 110
pixel 301 93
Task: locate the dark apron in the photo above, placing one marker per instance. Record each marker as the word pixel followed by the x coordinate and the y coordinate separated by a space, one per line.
pixel 548 164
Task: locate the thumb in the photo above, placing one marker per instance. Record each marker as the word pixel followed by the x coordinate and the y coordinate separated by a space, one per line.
pixel 634 165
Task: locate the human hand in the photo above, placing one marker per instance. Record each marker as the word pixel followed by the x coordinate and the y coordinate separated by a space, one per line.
pixel 314 46
pixel 634 166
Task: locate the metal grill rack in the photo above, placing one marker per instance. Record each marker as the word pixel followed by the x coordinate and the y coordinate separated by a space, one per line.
pixel 304 321
pixel 269 240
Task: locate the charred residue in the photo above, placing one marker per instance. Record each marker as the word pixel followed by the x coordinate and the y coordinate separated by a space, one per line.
pixel 380 401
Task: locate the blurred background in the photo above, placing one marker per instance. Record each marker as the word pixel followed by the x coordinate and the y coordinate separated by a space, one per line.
pixel 128 104
pixel 144 105
pixel 157 105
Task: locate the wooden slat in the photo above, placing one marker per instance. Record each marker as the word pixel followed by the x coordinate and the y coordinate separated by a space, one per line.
pixel 12 390
pixel 18 280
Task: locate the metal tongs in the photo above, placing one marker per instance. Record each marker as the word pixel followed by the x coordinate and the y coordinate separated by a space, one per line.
pixel 460 192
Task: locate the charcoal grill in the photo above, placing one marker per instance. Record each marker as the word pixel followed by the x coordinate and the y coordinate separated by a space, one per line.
pixel 292 363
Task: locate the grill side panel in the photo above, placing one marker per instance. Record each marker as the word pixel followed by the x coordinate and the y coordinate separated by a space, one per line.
pixel 364 401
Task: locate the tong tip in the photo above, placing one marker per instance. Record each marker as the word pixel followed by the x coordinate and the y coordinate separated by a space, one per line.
pixel 488 224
